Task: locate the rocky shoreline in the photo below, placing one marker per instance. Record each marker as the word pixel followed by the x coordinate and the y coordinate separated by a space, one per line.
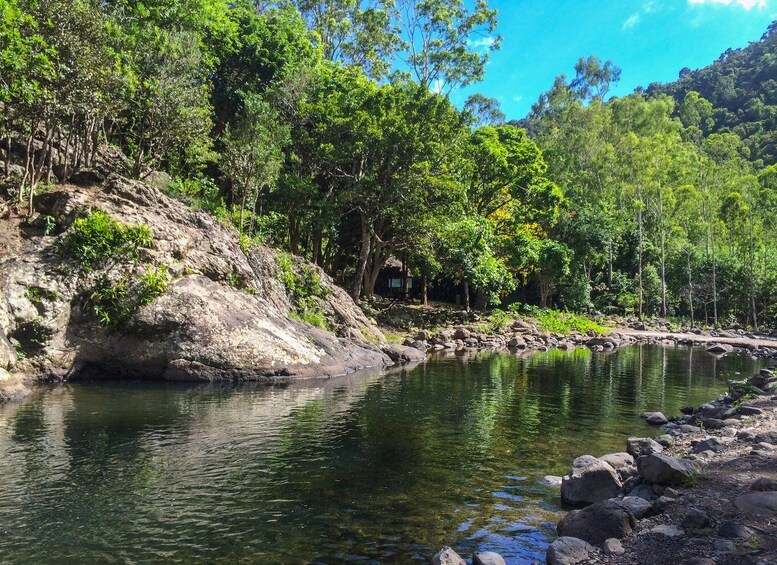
pixel 524 338
pixel 705 492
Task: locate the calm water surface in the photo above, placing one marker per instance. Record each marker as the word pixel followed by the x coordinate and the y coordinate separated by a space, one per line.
pixel 368 468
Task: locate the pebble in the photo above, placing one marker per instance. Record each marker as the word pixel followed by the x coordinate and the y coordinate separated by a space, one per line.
pixel 613 546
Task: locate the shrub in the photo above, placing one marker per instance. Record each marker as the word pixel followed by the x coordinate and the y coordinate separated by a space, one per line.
pixel 555 321
pixel 98 237
pixel 114 304
pixel 304 289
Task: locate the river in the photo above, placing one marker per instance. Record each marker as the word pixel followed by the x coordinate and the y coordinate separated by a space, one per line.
pixel 375 467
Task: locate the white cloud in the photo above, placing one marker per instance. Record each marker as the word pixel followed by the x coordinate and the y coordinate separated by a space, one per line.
pixel 484 43
pixel 517 99
pixel 746 4
pixel 437 86
pixel 631 21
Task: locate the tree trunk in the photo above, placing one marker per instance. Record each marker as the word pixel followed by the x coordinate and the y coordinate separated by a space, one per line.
pixel 714 280
pixel 466 295
pixel 425 289
pixel 639 271
pixel 364 254
pixel 8 154
pixel 690 286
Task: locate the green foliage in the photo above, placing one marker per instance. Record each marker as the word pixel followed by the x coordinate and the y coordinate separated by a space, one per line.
pixel 98 237
pixel 37 294
pixel 115 303
pixel 304 289
pixel 555 321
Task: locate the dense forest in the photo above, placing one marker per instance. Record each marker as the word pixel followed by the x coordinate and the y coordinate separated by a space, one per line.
pixel 326 129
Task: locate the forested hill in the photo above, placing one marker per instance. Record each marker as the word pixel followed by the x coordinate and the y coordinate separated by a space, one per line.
pixel 742 86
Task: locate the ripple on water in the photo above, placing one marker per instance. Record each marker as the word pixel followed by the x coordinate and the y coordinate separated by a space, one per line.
pixel 369 468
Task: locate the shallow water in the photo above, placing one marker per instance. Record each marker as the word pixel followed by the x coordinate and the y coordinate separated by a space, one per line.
pixel 366 468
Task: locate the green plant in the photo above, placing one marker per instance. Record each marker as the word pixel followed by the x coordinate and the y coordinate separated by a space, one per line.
pixel 499 320
pixel 153 283
pixel 115 303
pixel 97 237
pixel 234 280
pixel 245 243
pixel 37 294
pixel 304 289
pixel 693 479
pixel 49 225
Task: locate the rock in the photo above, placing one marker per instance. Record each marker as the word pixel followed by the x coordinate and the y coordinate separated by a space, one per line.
pixel 668 530
pixel 568 551
pixel 664 469
pixel 746 410
pixel 766 437
pixel 714 423
pixel 446 556
pixel 709 444
pixel 552 480
pixel 664 441
pixel 605 342
pixel 638 506
pixel 735 530
pixel 516 343
pixel 461 333
pixel 598 522
pixel 724 546
pixel 654 418
pixel 757 503
pixel 589 481
pixel 623 463
pixel 700 561
pixel 696 519
pixel 8 355
pixel 642 491
pixel 613 546
pixel 225 315
pixel 764 484
pixel 720 348
pixel 487 558
pixel 86 177
pixel 636 446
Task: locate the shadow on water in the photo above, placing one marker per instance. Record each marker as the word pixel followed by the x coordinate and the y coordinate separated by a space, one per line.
pixel 371 467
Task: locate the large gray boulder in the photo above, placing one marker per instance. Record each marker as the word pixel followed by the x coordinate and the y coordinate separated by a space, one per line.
pixel 598 522
pixel 664 470
pixel 637 446
pixel 589 481
pixel 8 355
pixel 568 551
pixel 638 506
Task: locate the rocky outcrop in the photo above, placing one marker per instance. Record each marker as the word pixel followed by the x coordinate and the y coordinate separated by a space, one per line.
pixel 226 313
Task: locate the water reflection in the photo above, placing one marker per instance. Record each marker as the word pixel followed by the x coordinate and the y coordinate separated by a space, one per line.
pixel 369 467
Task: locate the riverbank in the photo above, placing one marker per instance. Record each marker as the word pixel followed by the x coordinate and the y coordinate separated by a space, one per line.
pixel 703 493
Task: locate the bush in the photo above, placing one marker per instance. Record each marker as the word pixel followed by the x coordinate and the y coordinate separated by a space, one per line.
pixel 98 237
pixel 304 289
pixel 115 304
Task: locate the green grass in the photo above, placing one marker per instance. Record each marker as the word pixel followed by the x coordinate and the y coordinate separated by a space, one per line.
pixel 555 321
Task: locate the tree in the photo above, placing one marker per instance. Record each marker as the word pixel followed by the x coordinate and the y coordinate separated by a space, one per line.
pixel 484 111
pixel 444 45
pixel 253 153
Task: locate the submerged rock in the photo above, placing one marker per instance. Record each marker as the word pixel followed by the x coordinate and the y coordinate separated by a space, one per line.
pixel 487 558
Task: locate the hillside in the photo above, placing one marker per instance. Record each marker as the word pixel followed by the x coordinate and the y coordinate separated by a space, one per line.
pixel 742 86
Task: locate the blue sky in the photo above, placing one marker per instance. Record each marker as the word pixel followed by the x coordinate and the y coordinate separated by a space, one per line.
pixel 651 40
